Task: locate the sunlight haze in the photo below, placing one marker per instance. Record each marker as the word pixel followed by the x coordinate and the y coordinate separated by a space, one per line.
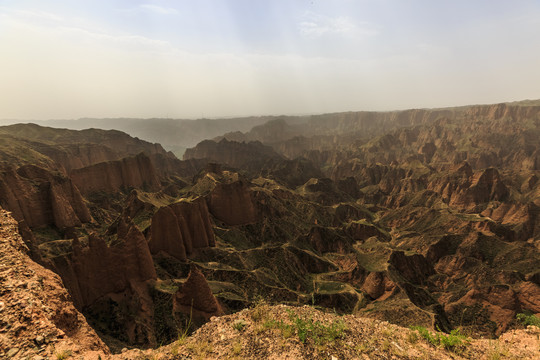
pixel 192 59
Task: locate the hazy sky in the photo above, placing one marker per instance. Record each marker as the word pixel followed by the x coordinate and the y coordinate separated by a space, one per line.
pixel 194 58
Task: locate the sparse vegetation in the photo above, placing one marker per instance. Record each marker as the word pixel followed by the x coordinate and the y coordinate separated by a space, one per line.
pixel 308 329
pixel 201 349
pixel 528 319
pixel 62 355
pixel 183 333
pixel 239 325
pixel 496 352
pixel 455 341
pixel 412 337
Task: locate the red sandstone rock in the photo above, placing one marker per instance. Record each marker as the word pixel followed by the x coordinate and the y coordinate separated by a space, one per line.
pixel 98 269
pixel 133 172
pixel 233 203
pixel 195 295
pixel 42 198
pixel 36 304
pixel 180 228
pixel 528 294
pixel 361 230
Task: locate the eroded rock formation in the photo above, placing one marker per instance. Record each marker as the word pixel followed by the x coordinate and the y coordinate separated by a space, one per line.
pixel 195 298
pixel 42 198
pixel 112 176
pixel 180 228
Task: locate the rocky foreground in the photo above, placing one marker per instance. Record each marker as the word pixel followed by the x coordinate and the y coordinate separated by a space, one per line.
pixel 38 321
pixel 284 332
pixel 37 317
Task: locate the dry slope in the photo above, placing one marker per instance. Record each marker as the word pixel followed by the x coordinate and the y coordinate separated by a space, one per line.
pixel 37 318
pixel 284 332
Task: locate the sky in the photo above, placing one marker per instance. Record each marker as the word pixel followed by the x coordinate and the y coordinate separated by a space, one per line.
pixel 226 58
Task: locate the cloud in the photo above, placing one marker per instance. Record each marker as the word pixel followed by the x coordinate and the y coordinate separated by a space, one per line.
pixel 157 9
pixel 34 25
pixel 34 16
pixel 316 25
pixel 102 37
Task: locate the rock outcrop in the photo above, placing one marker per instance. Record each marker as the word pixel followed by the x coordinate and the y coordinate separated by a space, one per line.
pixel 195 298
pixel 233 203
pixel 71 149
pixel 42 198
pixel 38 318
pixel 110 282
pixel 99 269
pixel 132 172
pixel 180 228
pixel 232 153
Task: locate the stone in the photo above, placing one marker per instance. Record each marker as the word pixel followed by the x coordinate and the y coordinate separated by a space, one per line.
pixel 12 352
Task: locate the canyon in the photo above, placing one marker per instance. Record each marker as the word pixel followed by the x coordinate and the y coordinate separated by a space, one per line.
pixel 425 217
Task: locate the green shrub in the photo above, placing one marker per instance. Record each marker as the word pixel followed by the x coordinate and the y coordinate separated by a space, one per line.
pixel 455 341
pixel 528 319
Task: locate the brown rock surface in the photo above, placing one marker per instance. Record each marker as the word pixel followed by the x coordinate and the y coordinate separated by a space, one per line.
pixel 37 315
pixel 233 203
pixel 41 198
pixel 414 268
pixel 133 172
pixel 100 275
pixel 70 149
pixel 179 228
pixel 196 297
pixel 94 271
pixel 324 240
pixel 232 153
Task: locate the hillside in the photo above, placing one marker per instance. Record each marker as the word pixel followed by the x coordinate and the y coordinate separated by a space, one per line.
pixel 283 332
pixel 38 319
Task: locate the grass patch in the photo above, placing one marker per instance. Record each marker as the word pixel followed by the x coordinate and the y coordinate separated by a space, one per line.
pixel 62 355
pixel 307 329
pixel 239 325
pixel 200 349
pixel 455 341
pixel 496 352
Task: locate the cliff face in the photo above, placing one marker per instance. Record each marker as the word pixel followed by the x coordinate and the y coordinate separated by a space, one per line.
pixel 467 190
pixel 42 319
pixel 42 198
pixel 113 279
pixel 96 270
pixel 75 156
pixel 168 166
pixel 112 176
pixel 232 153
pixel 180 228
pixel 233 203
pixel 500 111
